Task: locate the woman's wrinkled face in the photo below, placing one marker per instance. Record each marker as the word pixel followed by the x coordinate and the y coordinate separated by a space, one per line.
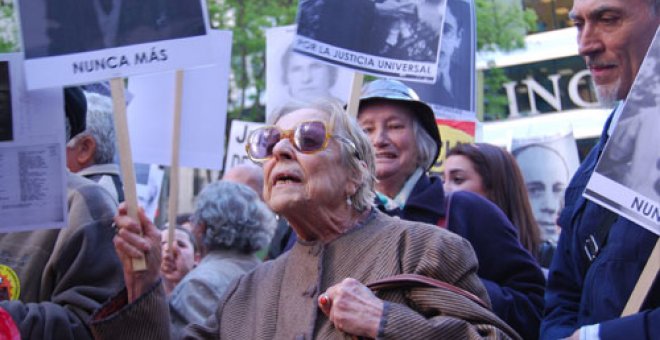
pixel 295 180
pixel 460 174
pixel 390 130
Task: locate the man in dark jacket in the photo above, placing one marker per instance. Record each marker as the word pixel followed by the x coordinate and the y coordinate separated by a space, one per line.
pixel 600 254
pixel 64 274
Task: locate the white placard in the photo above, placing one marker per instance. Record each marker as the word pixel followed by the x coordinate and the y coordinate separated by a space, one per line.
pixel 237 140
pixel 32 158
pixel 627 177
pixel 389 38
pixel 291 75
pixel 69 42
pixel 203 116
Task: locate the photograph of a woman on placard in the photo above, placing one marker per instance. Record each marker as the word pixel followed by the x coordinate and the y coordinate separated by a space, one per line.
pixel 291 75
pixel 6 121
pixel 306 77
pixel 53 28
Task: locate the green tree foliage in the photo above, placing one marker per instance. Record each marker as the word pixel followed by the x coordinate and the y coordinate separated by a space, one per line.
pixel 8 27
pixel 248 21
pixel 501 25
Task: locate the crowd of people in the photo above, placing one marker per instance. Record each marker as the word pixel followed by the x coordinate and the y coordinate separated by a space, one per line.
pixel 340 230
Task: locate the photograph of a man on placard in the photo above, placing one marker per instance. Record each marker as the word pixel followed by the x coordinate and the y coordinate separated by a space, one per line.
pixel 453 86
pixel 6 121
pixel 547 164
pixel 80 26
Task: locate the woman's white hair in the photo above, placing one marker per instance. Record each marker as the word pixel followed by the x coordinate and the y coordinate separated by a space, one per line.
pixel 357 158
pixel 235 217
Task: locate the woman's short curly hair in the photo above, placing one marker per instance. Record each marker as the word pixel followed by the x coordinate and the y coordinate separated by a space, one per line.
pixel 357 158
pixel 234 216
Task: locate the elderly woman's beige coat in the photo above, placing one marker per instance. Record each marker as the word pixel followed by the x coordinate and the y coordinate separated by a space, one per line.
pixel 278 300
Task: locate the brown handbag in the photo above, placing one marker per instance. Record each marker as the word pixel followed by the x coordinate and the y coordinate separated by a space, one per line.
pixel 453 301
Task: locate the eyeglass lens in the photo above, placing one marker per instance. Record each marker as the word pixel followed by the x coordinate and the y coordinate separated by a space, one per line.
pixel 307 137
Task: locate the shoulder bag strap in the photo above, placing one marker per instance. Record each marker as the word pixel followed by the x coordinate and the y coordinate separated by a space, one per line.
pixel 414 280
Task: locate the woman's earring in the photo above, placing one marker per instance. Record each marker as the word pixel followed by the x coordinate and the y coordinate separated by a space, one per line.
pixel 349 201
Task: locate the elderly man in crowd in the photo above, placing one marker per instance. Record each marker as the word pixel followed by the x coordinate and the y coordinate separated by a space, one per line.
pixel 600 254
pixel 64 274
pixel 91 153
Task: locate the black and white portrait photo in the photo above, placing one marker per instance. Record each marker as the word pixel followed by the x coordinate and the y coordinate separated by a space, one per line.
pixel 547 163
pixel 6 121
pixel 70 26
pixel 306 77
pixel 291 75
pixel 454 86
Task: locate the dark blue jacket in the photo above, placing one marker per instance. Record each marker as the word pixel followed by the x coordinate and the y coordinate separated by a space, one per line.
pixel 580 294
pixel 511 275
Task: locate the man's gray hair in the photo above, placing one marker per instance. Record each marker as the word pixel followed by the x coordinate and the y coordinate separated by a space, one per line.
pixel 359 160
pixel 100 125
pixel 235 217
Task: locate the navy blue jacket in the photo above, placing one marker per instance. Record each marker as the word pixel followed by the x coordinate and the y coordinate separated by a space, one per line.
pixel 580 294
pixel 511 275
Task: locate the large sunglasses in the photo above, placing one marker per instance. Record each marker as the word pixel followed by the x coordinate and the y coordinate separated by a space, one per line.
pixel 307 137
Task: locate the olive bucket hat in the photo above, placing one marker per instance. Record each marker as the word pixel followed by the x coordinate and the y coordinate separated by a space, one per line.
pixel 396 91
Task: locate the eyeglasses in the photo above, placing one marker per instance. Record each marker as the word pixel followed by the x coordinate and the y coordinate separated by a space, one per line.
pixel 307 137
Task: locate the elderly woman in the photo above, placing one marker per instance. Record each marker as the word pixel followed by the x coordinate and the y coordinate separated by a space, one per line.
pixel 318 170
pixel 233 224
pixel 406 141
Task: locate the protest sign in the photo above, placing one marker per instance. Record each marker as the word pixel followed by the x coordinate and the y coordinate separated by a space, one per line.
pixel 203 116
pixel 73 42
pixel 238 136
pixel 32 156
pixel 627 177
pixel 547 163
pixel 389 38
pixel 453 132
pixel 290 75
pixel 453 93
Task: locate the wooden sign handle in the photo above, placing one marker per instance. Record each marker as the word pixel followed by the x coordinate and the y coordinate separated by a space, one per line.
pixel 125 156
pixel 354 97
pixel 174 168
